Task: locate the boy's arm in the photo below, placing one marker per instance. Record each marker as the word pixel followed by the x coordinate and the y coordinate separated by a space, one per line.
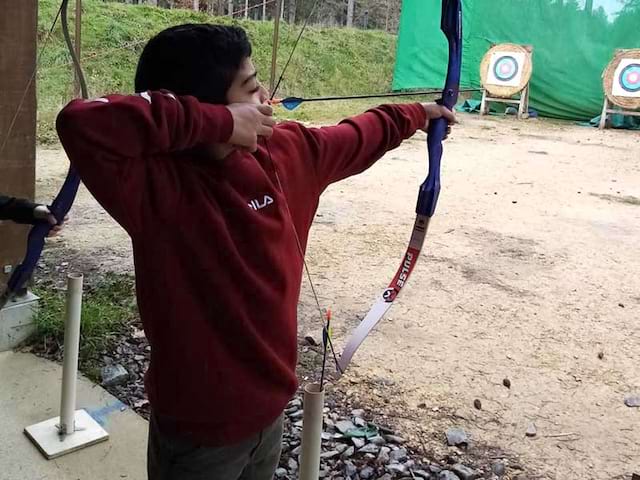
pixel 114 142
pixel 358 142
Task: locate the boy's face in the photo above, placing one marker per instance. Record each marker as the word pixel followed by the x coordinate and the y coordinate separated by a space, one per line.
pixel 245 87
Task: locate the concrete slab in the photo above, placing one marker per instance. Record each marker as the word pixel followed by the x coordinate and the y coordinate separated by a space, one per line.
pixel 30 393
pixel 16 321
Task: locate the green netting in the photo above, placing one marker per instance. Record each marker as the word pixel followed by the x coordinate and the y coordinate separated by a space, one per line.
pixel 573 42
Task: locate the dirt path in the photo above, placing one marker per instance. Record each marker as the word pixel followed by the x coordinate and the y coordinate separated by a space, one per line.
pixel 531 269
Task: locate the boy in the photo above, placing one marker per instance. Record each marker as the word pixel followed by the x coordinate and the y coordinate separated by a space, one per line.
pixel 215 213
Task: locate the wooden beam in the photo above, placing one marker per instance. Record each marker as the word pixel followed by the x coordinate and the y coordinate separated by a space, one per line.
pixel 18 34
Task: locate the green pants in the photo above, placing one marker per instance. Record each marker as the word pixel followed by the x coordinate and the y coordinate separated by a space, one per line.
pixel 253 459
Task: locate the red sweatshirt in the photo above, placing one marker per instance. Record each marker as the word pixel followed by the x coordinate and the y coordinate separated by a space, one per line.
pixel 218 271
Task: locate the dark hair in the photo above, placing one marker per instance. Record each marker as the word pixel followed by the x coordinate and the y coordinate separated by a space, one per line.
pixel 200 60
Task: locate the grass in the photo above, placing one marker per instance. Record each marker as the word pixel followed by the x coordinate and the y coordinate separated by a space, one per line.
pixel 328 61
pixel 107 310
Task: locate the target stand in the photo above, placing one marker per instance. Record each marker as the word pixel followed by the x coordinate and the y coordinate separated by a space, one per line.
pixel 621 85
pixel 505 72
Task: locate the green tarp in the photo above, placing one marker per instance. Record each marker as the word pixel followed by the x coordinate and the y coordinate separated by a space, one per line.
pixel 573 42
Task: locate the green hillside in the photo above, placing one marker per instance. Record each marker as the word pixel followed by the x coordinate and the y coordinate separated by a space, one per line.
pixel 328 61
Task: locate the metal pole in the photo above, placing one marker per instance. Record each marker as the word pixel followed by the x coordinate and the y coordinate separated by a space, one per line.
pixel 71 347
pixel 274 48
pixel 78 44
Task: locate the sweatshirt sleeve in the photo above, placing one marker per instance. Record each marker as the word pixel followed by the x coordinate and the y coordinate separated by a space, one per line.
pixel 358 142
pixel 117 143
pixel 18 210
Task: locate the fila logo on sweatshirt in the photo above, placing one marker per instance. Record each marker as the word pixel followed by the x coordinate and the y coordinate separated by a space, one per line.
pixel 258 203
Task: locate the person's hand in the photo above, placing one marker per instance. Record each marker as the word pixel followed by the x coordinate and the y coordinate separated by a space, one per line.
pixel 41 212
pixel 433 111
pixel 250 121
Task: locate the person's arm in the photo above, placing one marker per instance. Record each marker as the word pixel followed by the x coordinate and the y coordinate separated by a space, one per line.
pixel 358 142
pixel 117 141
pixel 18 210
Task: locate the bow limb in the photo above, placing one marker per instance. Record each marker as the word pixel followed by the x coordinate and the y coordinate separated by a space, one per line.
pixel 62 202
pixel 451 25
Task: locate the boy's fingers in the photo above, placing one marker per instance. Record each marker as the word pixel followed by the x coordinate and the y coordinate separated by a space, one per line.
pixel 449 115
pixel 265 132
pixel 265 109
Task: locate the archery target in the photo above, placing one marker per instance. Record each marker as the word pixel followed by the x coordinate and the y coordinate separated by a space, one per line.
pixel 626 79
pixel 505 69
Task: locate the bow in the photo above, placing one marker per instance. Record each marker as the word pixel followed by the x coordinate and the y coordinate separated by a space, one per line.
pixel 65 197
pixel 451 25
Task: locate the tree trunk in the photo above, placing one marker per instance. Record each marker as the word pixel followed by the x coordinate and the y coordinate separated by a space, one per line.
pixel 588 7
pixel 292 12
pixel 264 10
pixel 230 9
pixel 350 9
pixel 196 5
pixel 246 9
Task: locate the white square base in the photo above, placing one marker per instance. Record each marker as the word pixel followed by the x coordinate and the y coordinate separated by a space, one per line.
pixel 46 437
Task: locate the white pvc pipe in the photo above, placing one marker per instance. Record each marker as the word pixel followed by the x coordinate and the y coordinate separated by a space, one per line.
pixel 311 432
pixel 71 346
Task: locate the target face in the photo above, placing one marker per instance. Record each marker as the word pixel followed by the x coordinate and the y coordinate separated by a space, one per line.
pixel 626 80
pixel 505 69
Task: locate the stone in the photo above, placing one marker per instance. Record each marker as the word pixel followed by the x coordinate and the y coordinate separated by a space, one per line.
pixel 350 469
pixel 457 437
pixel 383 456
pixel 344 426
pixel 358 442
pixel 296 402
pixel 498 468
pixel 531 430
pixel 297 414
pixel 281 472
pixel 297 451
pixel 360 422
pixel 396 468
pixel 632 400
pixel 447 475
pixel 341 447
pixel 292 465
pixel 312 339
pixel 113 375
pixel 435 468
pixel 394 439
pixel 348 452
pixel 398 455
pixel 369 448
pixel 464 472
pixel 377 440
pixel 358 412
pixel 367 472
pixel 506 382
pixel 329 454
pixel 477 404
pixel 421 474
